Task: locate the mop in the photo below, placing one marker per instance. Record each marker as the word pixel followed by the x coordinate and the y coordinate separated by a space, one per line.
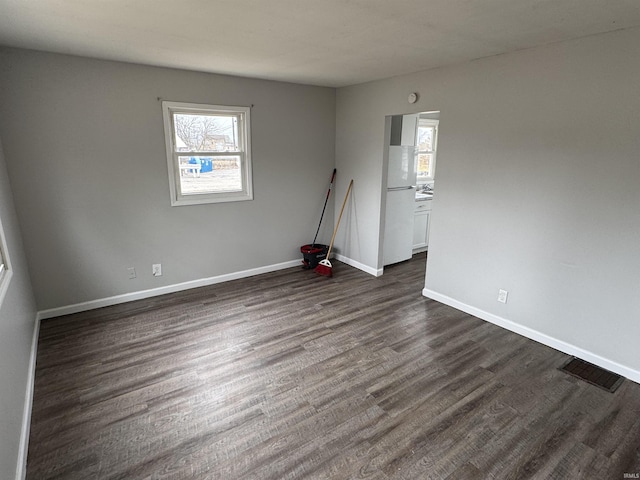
pixel 324 267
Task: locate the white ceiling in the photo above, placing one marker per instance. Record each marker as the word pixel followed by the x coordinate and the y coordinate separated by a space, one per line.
pixel 320 42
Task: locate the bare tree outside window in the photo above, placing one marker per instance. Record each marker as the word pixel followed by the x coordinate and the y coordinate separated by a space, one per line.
pixel 427 146
pixel 201 133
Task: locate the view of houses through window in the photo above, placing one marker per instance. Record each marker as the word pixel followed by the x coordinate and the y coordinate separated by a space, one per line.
pixel 200 170
pixel 427 145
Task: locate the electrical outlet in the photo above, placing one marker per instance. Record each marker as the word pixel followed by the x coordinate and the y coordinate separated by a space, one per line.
pixel 156 269
pixel 132 273
pixel 502 296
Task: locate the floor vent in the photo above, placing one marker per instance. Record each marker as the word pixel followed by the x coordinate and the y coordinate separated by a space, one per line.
pixel 592 374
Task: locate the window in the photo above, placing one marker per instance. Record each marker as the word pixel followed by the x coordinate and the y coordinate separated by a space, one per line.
pixel 427 146
pixel 208 153
pixel 5 270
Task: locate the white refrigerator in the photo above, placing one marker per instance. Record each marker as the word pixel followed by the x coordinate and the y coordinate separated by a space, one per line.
pixel 401 192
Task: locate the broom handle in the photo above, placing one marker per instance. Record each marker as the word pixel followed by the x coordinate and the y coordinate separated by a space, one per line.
pixel 335 230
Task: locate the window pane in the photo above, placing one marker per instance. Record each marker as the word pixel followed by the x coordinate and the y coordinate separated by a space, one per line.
pixel 424 164
pixel 206 133
pixel 5 274
pixel 425 138
pixel 202 175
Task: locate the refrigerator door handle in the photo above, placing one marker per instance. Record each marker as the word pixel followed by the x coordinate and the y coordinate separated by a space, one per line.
pixel 393 189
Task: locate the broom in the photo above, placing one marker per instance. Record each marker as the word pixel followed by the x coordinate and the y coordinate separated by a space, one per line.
pixel 324 267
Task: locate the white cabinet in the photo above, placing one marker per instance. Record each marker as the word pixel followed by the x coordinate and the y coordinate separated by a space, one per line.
pixel 409 130
pixel 421 217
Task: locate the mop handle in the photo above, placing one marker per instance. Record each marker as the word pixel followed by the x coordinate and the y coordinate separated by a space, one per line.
pixel 333 176
pixel 339 217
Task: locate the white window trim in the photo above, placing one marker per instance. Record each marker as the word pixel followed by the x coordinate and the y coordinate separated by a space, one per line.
pixel 6 272
pixel 244 130
pixel 428 122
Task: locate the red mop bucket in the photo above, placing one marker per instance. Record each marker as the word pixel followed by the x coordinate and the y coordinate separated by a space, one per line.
pixel 312 254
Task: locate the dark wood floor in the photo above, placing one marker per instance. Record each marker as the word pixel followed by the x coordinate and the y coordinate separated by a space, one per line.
pixel 290 375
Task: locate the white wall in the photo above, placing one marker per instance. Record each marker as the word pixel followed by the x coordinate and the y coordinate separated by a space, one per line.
pixel 537 189
pixel 17 326
pixel 85 152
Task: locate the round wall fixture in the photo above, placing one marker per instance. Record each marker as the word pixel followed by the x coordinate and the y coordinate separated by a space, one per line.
pixel 413 97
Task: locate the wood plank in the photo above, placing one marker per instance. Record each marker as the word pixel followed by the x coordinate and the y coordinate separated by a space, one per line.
pixel 293 375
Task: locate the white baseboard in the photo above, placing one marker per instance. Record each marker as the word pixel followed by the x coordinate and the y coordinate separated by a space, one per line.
pixel 21 469
pixel 154 292
pixel 539 337
pixel 359 266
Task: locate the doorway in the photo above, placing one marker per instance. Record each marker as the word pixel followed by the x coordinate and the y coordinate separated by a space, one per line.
pixel 408 185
